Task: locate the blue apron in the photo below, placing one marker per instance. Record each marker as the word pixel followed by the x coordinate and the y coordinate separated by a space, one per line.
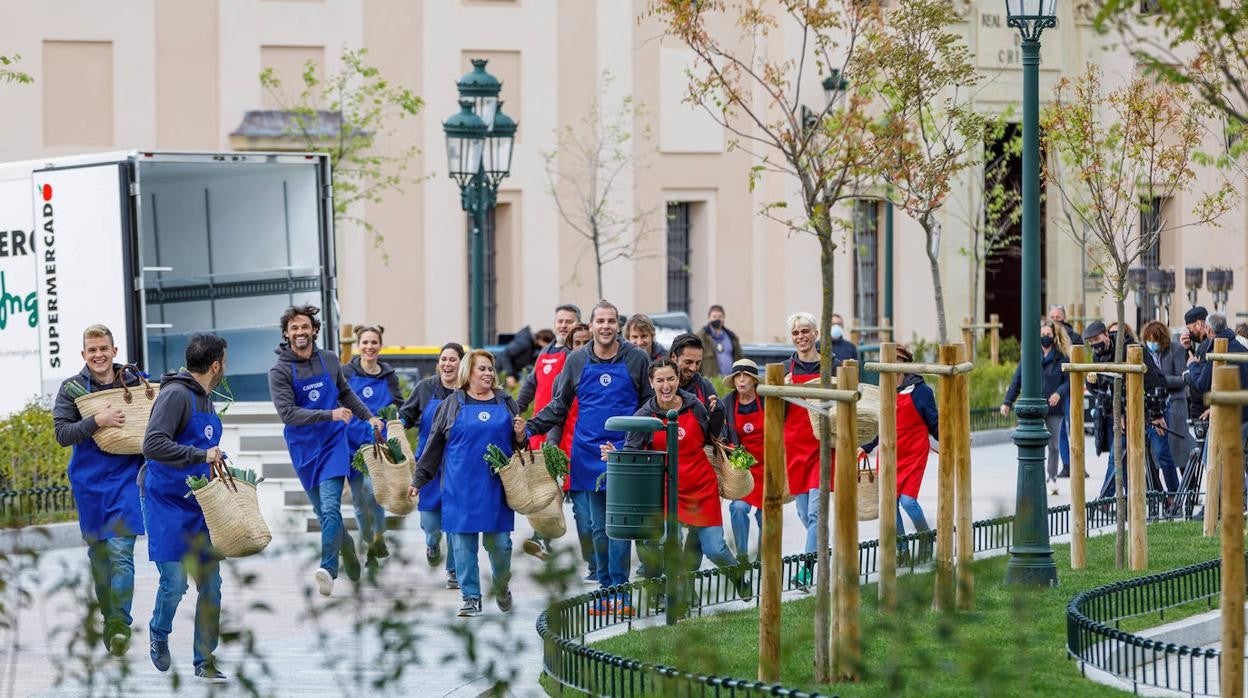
pixel 431 494
pixel 375 393
pixel 472 496
pixel 106 491
pixel 175 523
pixel 318 451
pixel 605 390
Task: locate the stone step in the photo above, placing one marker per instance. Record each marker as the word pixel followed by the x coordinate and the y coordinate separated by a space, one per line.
pixel 262 442
pixel 278 470
pixel 299 498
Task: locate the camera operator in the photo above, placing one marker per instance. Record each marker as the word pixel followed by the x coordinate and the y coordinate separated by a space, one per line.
pixel 1165 401
pixel 1101 393
pixel 1197 338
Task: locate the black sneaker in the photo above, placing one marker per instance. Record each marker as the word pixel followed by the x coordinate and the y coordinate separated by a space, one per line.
pixel 452 582
pixel 350 561
pixel 159 653
pixel 471 607
pixel 504 600
pixel 209 672
pixel 744 584
pixel 378 547
pixel 117 638
pixel 434 555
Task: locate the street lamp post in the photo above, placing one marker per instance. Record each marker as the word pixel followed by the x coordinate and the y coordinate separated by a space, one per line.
pixel 479 140
pixel 1031 556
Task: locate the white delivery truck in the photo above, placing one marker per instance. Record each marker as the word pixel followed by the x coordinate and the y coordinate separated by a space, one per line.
pixel 159 245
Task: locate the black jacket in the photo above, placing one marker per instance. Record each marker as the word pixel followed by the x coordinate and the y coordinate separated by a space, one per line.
pixel 70 427
pixel 180 395
pixel 1054 382
pixel 566 385
pixel 519 354
pixel 355 368
pixel 689 401
pixel 430 462
pixel 1199 376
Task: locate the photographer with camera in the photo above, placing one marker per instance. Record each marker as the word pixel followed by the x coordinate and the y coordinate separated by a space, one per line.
pixel 1101 389
pixel 1197 338
pixel 1165 401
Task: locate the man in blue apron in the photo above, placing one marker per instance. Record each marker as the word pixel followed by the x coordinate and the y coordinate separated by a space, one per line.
pixel 606 381
pixel 104 487
pixel 315 402
pixel 182 440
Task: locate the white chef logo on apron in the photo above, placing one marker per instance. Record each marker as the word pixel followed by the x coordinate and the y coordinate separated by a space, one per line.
pixel 208 432
pixel 680 433
pixel 314 395
pixel 483 416
pixel 367 391
pixel 546 369
pixel 748 428
pixel 604 380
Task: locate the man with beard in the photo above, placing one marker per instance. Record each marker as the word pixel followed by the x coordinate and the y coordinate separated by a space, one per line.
pixel 687 354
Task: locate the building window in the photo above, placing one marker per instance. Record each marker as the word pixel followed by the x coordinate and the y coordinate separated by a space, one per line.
pixel 1150 256
pixel 866 263
pixel 678 257
pixel 491 277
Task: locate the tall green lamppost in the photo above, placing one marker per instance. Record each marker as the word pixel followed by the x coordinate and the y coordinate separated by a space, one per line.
pixel 479 140
pixel 1031 556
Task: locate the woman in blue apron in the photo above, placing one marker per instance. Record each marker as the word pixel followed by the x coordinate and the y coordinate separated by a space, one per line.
pixel 420 409
pixel 104 487
pixel 378 386
pixel 181 441
pixel 474 509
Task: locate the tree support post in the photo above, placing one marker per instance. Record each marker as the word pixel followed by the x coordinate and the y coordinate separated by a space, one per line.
pixel 888 481
pixel 1078 494
pixel 1224 423
pixel 775 487
pixel 1212 479
pixel 943 600
pixel 1136 480
pixel 962 471
pixel 847 654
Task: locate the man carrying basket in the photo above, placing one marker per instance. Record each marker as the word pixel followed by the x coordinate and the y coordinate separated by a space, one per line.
pixel 182 441
pixel 104 486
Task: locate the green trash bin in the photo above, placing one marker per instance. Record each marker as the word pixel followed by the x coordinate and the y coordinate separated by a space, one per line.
pixel 635 507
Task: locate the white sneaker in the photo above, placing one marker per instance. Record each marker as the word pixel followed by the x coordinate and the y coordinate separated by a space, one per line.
pixel 324 582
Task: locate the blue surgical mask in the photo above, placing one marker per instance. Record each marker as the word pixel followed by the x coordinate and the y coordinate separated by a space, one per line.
pixel 837 332
pixel 1153 346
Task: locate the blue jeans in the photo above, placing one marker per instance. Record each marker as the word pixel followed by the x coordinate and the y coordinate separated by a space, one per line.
pixel 327 503
pixel 1063 443
pixel 431 524
pixel 739 514
pixel 708 540
pixel 173 576
pixel 582 515
pixel 368 513
pixel 497 546
pixel 808 517
pixel 911 506
pixel 1160 446
pixel 612 557
pixel 112 571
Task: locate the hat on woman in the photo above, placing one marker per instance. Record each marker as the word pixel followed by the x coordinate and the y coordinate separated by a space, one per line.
pixel 904 355
pixel 745 366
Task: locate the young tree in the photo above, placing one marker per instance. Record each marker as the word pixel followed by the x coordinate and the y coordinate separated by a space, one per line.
pixel 9 73
pixel 1114 154
pixel 927 82
pixel 584 175
pixel 747 82
pixel 346 115
pixel 994 206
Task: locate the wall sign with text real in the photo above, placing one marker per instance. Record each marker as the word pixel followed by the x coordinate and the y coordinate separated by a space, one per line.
pixel 998 46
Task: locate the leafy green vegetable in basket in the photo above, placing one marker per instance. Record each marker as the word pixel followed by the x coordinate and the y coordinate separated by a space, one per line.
pixel 196 482
pixel 248 476
pixel 495 458
pixel 357 461
pixel 556 460
pixel 74 389
pixel 394 451
pixel 741 459
pixel 389 413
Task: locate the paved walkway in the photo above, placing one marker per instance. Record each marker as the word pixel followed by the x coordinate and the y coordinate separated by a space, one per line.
pixel 399 636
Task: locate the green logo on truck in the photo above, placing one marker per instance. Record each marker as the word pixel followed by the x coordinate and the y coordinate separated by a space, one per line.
pixel 14 304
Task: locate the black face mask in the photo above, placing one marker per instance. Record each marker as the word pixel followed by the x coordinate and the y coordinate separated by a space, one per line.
pixel 716 324
pixel 1046 341
pixel 1101 349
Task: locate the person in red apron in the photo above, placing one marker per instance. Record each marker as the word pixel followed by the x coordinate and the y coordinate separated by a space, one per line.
pixel 745 421
pixel 419 410
pixel 315 402
pixel 474 508
pixel 606 379
pixel 182 440
pixel 539 387
pixel 687 354
pixel 917 426
pixel 378 386
pixel 104 487
pixel 801 448
pixel 697 505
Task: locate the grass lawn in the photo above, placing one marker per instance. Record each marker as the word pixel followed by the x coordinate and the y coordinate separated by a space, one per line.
pixel 1013 644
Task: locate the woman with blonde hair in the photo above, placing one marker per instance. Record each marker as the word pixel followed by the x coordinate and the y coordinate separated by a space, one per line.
pixel 1055 351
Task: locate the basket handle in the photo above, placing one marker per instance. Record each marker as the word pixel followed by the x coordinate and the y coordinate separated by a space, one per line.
pixel 864 467
pixel 138 375
pixel 221 472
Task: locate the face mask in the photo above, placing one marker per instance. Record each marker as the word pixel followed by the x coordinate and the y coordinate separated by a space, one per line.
pixel 1153 346
pixel 716 324
pixel 1046 341
pixel 1101 348
pixel 837 332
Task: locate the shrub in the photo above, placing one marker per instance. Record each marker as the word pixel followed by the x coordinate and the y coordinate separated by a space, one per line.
pixel 989 383
pixel 29 454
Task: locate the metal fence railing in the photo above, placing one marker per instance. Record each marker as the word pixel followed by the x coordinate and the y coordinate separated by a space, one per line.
pixel 564 626
pixel 35 504
pixel 986 418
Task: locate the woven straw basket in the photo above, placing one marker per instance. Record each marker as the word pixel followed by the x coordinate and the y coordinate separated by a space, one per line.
pixel 868 492
pixel 549 522
pixel 391 480
pixel 232 512
pixel 868 414
pixel 527 484
pixel 135 403
pixel 733 483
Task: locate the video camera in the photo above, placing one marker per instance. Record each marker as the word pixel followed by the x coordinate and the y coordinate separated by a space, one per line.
pixel 1155 403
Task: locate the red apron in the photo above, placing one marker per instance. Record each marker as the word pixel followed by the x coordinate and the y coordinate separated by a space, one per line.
pixel 697 498
pixel 546 370
pixel 912 446
pixel 750 429
pixel 565 441
pixel 801 448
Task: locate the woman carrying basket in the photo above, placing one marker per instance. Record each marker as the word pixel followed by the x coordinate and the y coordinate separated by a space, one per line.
pixel 419 410
pixel 474 509
pixel 181 441
pixel 378 386
pixel 745 423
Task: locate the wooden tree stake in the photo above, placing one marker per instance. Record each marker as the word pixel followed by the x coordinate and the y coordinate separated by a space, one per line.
pixel 888 481
pixel 775 488
pixel 1078 493
pixel 1225 424
pixel 1213 481
pixel 1137 482
pixel 847 654
pixel 946 406
pixel 962 472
